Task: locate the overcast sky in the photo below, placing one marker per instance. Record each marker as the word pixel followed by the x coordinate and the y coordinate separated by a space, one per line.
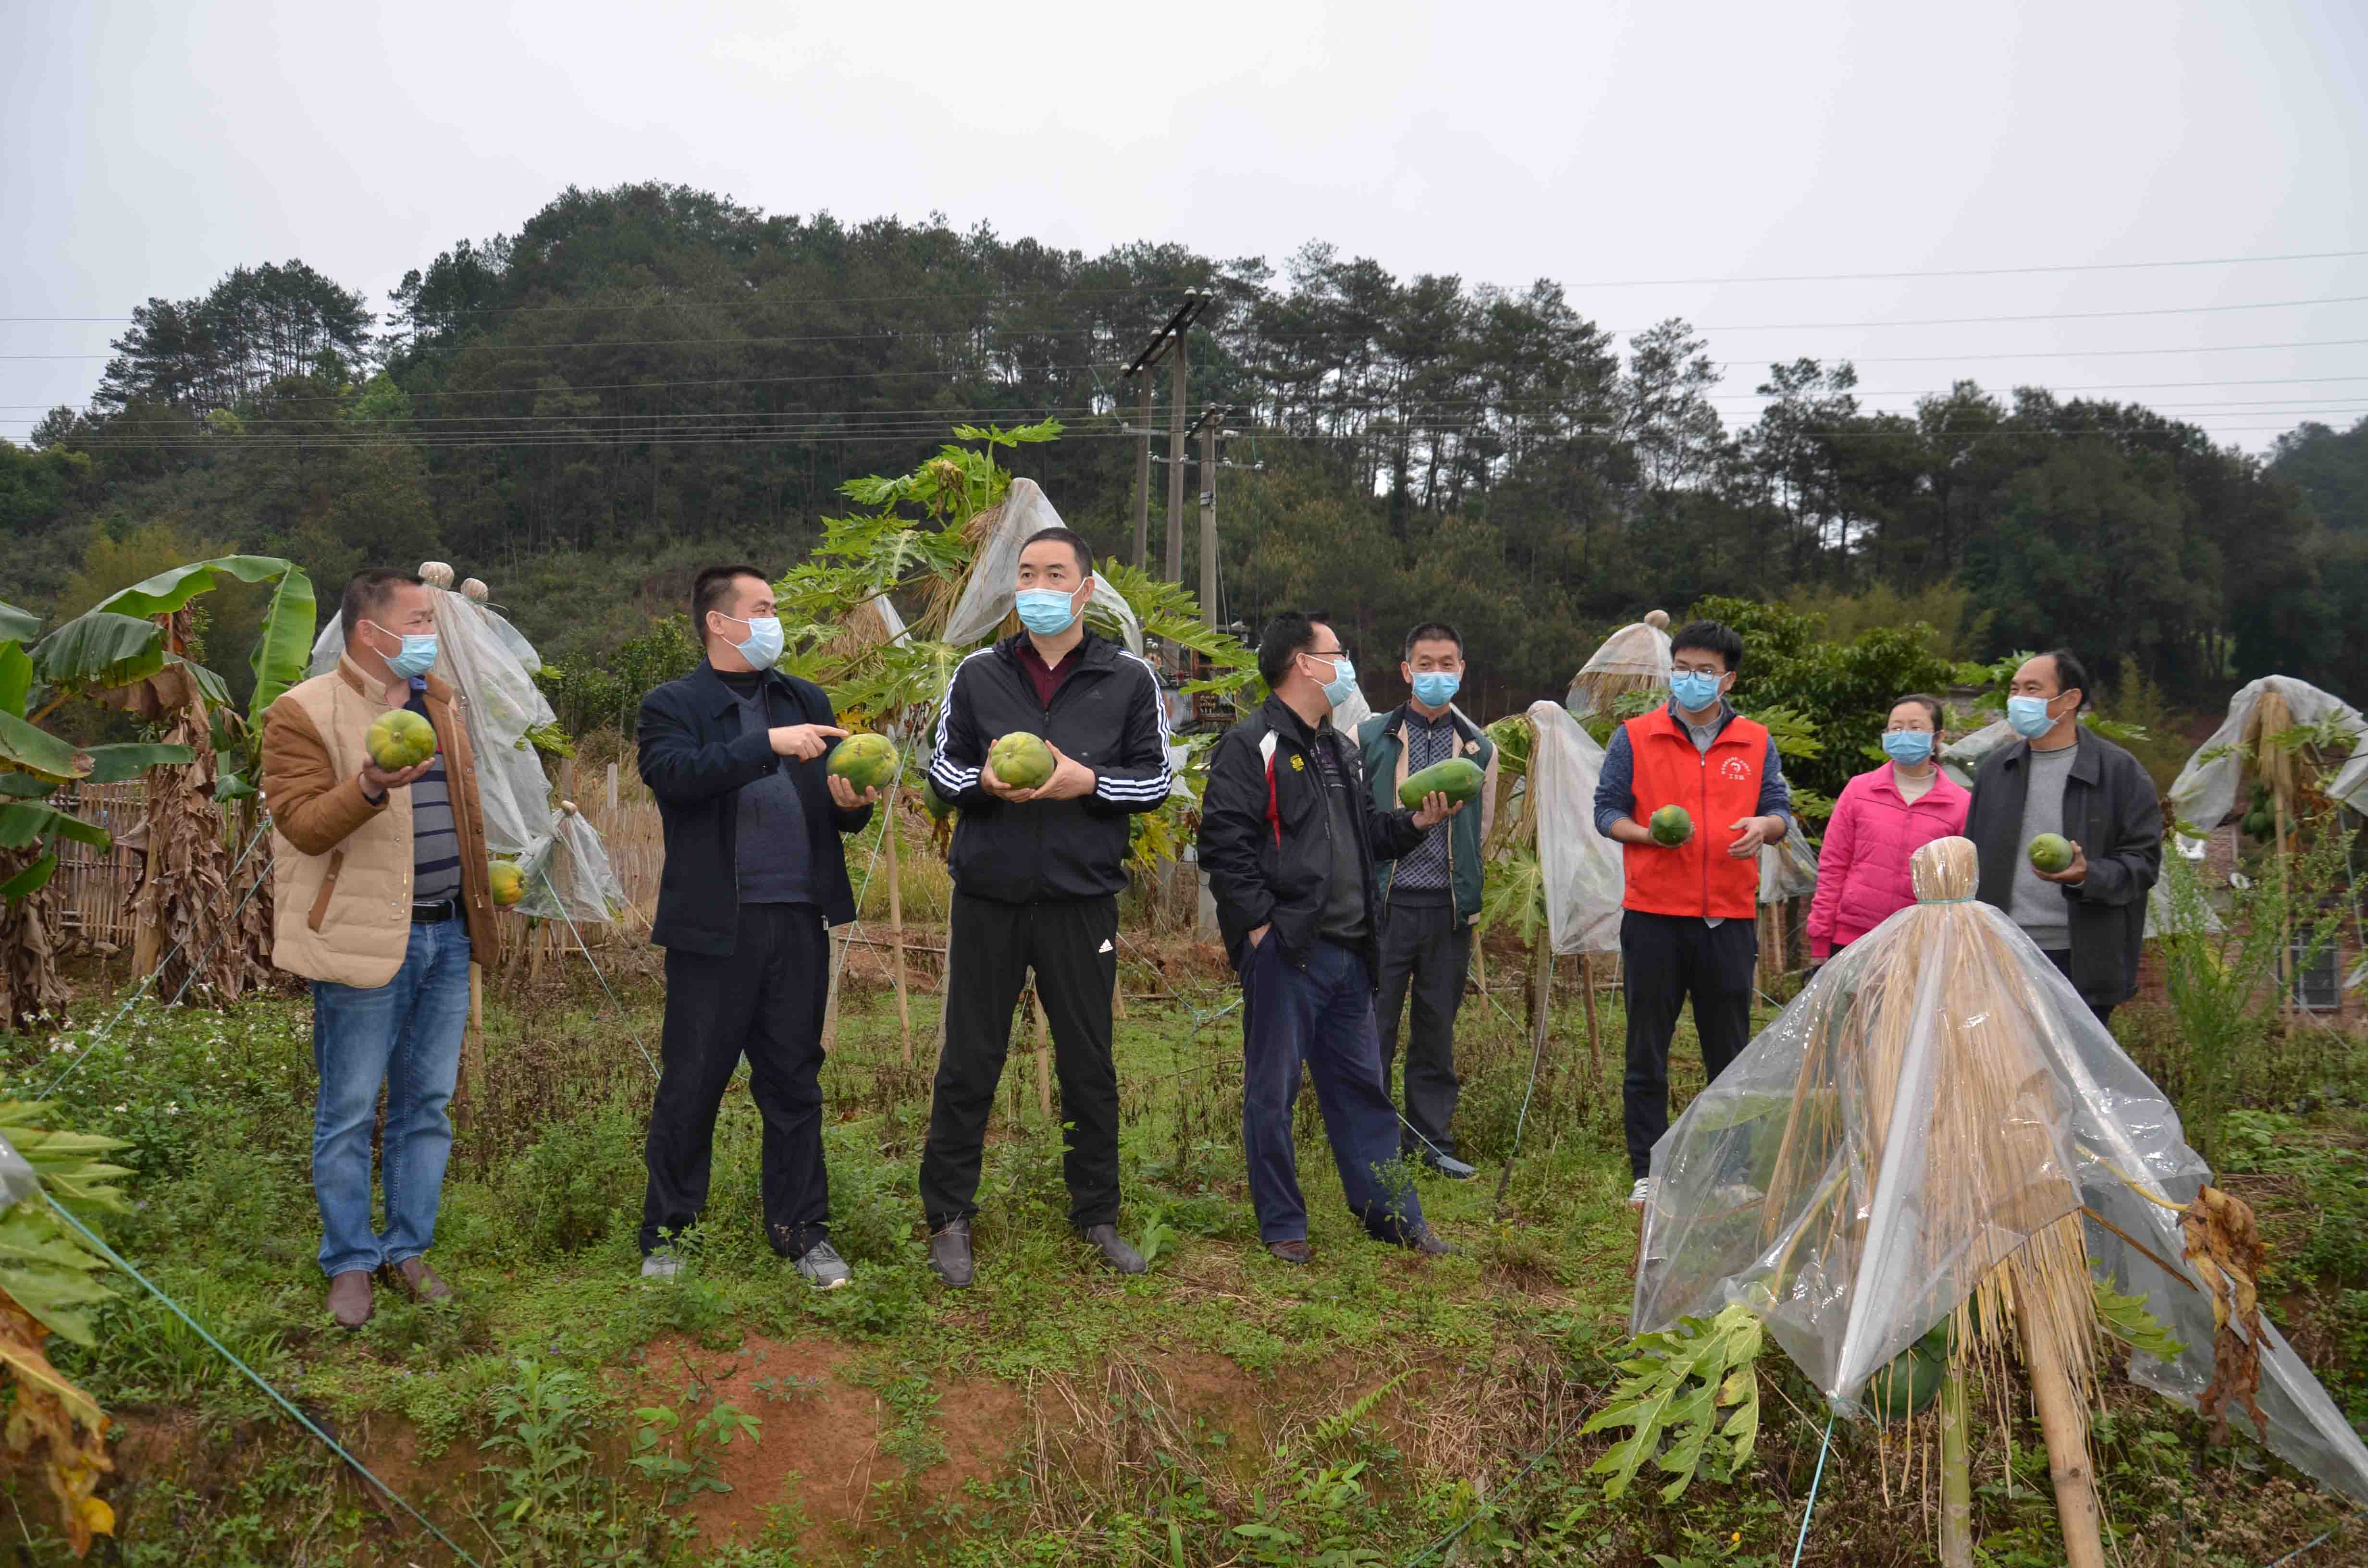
pixel 151 147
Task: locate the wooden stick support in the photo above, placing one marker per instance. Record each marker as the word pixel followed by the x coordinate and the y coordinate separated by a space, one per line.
pixel 1956 1473
pixel 836 950
pixel 896 928
pixel 2063 1422
pixel 1043 1054
pixel 1594 1029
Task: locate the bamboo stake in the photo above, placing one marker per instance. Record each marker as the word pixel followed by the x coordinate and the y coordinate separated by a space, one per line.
pixel 1044 1053
pixel 2286 912
pixel 896 930
pixel 1956 1473
pixel 2063 1422
pixel 837 948
pixel 1594 1030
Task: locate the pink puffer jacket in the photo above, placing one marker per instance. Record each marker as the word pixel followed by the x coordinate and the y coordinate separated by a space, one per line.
pixel 1862 878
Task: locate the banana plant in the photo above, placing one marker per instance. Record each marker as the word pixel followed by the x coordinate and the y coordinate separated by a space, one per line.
pixel 122 652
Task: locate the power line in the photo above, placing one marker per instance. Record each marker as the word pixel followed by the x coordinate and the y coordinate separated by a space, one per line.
pixel 1319 334
pixel 1218 285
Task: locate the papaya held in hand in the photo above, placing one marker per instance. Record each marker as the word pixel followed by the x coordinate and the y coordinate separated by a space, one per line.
pixel 1021 761
pixel 866 762
pixel 400 739
pixel 1671 825
pixel 1458 778
pixel 2052 853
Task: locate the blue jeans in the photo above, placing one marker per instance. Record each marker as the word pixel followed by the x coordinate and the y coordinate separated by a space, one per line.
pixel 1322 1015
pixel 405 1035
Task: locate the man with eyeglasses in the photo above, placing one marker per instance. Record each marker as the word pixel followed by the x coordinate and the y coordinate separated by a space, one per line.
pixel 1690 927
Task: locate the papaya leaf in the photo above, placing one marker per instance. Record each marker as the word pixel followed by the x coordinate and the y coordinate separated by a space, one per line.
pixel 1675 1388
pixel 2127 1320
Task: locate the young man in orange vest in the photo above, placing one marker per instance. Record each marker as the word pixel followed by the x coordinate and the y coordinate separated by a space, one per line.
pixel 1690 926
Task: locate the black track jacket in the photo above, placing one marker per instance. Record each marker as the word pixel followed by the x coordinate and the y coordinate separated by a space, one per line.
pixel 1273 869
pixel 1107 715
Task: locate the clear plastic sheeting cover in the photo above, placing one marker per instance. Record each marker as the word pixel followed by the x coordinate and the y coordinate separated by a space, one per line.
pixel 479 654
pixel 1584 877
pixel 1637 649
pixel 1962 757
pixel 994 573
pixel 18 1180
pixel 2205 790
pixel 1788 868
pixel 574 878
pixel 1936 1096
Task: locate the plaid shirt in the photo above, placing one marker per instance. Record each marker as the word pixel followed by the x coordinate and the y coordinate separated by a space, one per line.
pixel 1427 741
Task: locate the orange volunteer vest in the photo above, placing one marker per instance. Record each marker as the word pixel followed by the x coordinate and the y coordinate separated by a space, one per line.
pixel 1717 786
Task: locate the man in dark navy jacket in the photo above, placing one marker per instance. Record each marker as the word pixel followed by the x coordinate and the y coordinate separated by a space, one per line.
pixel 1037 874
pixel 754 879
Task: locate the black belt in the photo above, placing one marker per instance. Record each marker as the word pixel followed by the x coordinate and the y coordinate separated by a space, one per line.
pixel 429 914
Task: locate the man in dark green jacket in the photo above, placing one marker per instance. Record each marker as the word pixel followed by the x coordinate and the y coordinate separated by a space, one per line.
pixel 1431 895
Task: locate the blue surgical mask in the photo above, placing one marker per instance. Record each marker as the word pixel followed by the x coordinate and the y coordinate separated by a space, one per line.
pixel 1908 747
pixel 1047 612
pixel 2029 716
pixel 1344 677
pixel 764 643
pixel 419 653
pixel 1694 689
pixel 1436 688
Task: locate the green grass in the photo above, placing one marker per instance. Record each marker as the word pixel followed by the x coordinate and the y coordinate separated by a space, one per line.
pixel 1223 1408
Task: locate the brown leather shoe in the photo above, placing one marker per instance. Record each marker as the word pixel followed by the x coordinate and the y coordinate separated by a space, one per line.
pixel 349 1298
pixel 425 1285
pixel 1294 1252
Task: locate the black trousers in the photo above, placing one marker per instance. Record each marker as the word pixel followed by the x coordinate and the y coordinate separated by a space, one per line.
pixel 2063 962
pixel 1667 959
pixel 764 1002
pixel 1426 952
pixel 990 948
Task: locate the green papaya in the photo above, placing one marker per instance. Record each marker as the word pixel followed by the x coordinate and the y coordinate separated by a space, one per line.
pixel 1909 1383
pixel 1021 760
pixel 1671 825
pixel 939 807
pixel 1458 778
pixel 866 762
pixel 400 739
pixel 2051 852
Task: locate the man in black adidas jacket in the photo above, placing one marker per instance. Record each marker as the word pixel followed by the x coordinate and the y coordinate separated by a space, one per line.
pixel 1289 834
pixel 1037 874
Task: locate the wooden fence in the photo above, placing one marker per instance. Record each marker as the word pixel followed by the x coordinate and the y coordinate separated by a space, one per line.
pixel 97 884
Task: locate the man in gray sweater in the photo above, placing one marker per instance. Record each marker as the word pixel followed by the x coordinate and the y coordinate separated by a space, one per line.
pixel 2063 778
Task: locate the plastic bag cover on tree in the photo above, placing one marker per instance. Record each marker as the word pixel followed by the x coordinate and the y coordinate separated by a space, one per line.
pixel 2204 793
pixel 1583 877
pixel 574 877
pixel 994 572
pixel 1936 1095
pixel 1962 758
pixel 476 654
pixel 1788 868
pixel 1636 648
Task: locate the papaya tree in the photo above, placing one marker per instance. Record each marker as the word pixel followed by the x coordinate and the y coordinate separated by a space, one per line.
pixel 130 651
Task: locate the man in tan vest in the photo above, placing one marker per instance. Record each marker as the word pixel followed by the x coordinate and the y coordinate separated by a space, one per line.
pixel 383 899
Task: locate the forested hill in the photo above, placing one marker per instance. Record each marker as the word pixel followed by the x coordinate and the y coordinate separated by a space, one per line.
pixel 643 377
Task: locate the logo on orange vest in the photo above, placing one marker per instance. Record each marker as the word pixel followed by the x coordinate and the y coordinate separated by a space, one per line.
pixel 1736 767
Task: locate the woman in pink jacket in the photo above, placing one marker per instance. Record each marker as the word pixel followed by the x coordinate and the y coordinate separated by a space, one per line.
pixel 1882 818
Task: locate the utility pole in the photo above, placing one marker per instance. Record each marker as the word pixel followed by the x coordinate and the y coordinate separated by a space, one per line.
pixel 1207 427
pixel 1168 341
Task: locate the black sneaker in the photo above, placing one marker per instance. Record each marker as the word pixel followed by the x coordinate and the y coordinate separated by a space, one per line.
pixel 1294 1253
pixel 1114 1250
pixel 950 1253
pixel 1451 1168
